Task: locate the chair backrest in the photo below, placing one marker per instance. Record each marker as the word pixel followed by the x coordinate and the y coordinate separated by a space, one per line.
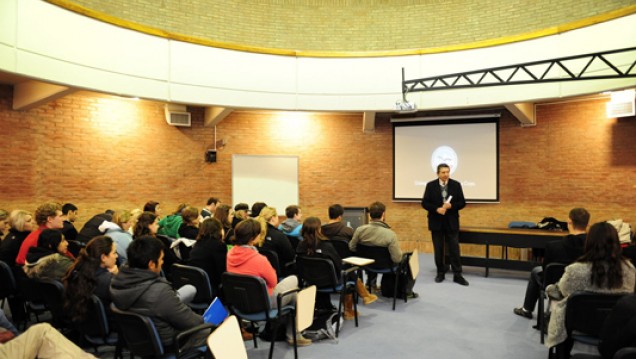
pixel 294 241
pixel 586 311
pixel 183 274
pixel 318 271
pixel 226 341
pixel 626 353
pixel 8 287
pixel 245 293
pixel 552 273
pixel 272 257
pixel 381 255
pixel 341 246
pixel 139 332
pixel 52 295
pixel 96 323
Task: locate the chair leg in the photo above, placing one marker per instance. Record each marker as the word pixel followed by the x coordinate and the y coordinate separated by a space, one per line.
pixel 273 338
pixel 395 289
pixel 293 313
pixel 540 317
pixel 355 305
pixel 342 295
pixel 254 334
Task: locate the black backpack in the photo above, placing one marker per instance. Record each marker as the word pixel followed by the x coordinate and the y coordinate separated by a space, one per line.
pixel 552 224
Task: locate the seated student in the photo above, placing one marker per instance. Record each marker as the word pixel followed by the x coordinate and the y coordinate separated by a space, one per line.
pixel 379 234
pixel 619 328
pixel 169 226
pixel 190 226
pixel 148 225
pixel 224 214
pixel 564 251
pixel 92 227
pixel 47 215
pixel 256 209
pixel 210 206
pixel 240 213
pixel 69 211
pixel 273 239
pixel 50 259
pixel 41 341
pixel 314 243
pixel 118 230
pixel 8 331
pixel 139 288
pixel 21 224
pixel 600 269
pixel 153 207
pixel 292 225
pixel 335 229
pixel 210 252
pixel 4 223
pixel 91 274
pixel 244 258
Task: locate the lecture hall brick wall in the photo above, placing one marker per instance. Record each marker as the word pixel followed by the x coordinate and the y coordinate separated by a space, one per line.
pixel 102 152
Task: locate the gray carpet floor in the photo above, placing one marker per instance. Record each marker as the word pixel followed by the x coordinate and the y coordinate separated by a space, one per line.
pixel 447 321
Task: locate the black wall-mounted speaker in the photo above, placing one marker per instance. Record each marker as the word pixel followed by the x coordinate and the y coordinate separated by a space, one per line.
pixel 210 156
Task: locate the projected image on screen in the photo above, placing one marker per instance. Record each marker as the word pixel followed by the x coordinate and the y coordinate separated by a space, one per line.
pixel 470 149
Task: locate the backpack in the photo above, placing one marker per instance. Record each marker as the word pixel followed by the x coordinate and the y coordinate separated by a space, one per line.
pixel 552 224
pixel 405 283
pixel 323 326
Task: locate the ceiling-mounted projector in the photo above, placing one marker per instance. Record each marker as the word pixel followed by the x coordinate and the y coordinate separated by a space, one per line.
pixel 405 107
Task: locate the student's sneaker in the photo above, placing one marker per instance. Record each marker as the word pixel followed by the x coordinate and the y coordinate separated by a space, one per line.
pixel 300 341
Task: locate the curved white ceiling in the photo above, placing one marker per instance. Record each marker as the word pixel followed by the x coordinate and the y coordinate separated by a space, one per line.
pixel 45 42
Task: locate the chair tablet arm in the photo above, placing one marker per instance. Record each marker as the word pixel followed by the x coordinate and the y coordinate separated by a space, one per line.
pixel 182 337
pixel 345 273
pixel 280 296
pixel 349 270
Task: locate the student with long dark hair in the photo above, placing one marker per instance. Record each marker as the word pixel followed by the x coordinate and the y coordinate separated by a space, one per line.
pixel 91 274
pixel 314 243
pixel 210 252
pixel 601 268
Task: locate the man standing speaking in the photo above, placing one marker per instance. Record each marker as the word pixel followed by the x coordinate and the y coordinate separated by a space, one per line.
pixel 443 198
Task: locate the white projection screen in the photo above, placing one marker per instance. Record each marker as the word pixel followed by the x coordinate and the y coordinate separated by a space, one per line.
pixel 263 178
pixel 470 148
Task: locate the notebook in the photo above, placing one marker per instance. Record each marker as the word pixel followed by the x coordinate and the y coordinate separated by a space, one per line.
pixel 216 313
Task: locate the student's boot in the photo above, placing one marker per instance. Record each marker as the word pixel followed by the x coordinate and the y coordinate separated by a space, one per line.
pixel 349 314
pixel 367 298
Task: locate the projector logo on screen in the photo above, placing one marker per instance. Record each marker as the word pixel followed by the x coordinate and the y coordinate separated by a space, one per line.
pixel 444 154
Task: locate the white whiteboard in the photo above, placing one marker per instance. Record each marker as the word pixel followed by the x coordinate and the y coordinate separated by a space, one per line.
pixel 265 178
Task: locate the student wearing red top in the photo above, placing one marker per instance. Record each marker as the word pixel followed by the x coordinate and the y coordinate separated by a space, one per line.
pixel 244 258
pixel 48 215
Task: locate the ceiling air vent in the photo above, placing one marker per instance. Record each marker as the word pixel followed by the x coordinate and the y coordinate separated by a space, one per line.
pixel 176 115
pixel 622 104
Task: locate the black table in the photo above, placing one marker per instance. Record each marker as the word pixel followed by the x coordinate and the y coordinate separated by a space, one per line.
pixel 506 237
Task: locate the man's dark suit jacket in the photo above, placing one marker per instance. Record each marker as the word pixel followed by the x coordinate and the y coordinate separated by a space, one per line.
pixel 564 251
pixel 432 200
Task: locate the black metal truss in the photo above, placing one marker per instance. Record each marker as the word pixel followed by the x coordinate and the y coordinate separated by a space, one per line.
pixel 613 64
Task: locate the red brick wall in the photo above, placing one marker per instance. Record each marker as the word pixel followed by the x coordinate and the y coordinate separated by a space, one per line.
pixel 106 152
